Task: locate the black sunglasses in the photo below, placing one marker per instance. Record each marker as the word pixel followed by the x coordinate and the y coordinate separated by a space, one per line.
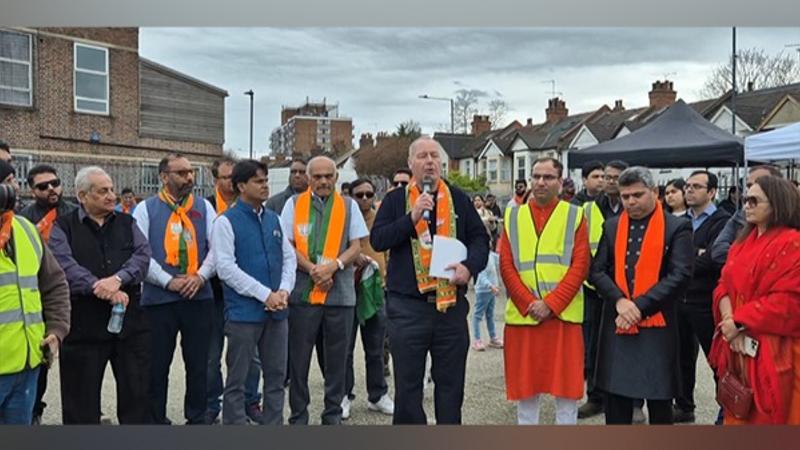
pixel 45 185
pixel 753 201
pixel 364 194
pixel 401 183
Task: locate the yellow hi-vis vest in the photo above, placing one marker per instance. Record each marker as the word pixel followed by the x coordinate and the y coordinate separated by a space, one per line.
pixel 21 321
pixel 594 223
pixel 543 261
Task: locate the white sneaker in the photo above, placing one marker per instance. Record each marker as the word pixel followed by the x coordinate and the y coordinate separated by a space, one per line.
pixel 384 405
pixel 345 408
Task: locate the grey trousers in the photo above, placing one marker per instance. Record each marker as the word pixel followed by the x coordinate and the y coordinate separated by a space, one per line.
pixel 305 323
pixel 271 340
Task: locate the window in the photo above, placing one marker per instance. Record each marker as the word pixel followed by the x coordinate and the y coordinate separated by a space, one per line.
pixel 468 167
pixel 505 171
pixel 150 181
pixel 444 169
pixel 15 68
pixel 91 79
pixel 492 176
pixel 521 168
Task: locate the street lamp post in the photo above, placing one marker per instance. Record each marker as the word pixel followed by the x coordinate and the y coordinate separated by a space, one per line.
pixel 452 110
pixel 251 94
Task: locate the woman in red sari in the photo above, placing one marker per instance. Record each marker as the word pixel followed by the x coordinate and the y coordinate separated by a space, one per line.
pixel 758 296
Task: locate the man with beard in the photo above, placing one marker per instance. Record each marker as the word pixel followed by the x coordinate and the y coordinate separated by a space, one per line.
pixel 520 194
pixel 176 294
pixel 298 183
pixel 49 205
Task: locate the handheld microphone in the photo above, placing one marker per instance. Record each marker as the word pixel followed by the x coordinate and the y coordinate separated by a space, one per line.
pixel 427 182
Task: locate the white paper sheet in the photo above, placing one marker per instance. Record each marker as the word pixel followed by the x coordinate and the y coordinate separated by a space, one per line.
pixel 446 251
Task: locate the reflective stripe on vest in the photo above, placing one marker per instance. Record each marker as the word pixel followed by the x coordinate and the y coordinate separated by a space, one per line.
pixel 543 261
pixel 21 323
pixel 594 224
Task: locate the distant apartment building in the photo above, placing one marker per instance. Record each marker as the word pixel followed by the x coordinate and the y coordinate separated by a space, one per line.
pixel 312 128
pixel 72 97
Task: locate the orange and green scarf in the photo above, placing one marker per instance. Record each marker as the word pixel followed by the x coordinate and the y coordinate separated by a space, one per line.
pixel 222 205
pixel 5 229
pixel 180 238
pixel 319 247
pixel 421 246
pixel 648 266
pixel 45 226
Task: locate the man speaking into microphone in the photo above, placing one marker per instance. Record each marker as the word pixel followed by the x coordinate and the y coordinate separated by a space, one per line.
pixel 427 314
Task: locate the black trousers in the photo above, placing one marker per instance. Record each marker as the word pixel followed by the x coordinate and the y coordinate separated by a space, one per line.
pixel 192 318
pixel 592 313
pixel 41 387
pixel 306 323
pixel 619 410
pixel 415 329
pixel 82 366
pixel 695 325
pixel 373 332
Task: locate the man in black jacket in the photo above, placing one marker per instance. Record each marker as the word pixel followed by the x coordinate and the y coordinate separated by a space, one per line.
pixel 105 257
pixel 695 319
pixel 640 281
pixel 421 320
pixel 592 174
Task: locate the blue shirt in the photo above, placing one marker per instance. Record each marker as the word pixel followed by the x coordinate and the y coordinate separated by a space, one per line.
pixel 697 222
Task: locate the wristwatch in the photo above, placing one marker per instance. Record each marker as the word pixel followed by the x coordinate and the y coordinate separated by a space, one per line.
pixel 340 263
pixel 117 277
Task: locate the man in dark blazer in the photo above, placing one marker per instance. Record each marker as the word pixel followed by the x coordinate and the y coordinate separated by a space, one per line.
pixel 642 266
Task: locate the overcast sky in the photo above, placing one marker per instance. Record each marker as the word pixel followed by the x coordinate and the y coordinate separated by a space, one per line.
pixel 376 74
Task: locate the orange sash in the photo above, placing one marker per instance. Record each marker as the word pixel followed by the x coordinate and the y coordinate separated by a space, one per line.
pixel 333 231
pixel 5 229
pixel 648 266
pixel 180 238
pixel 422 245
pixel 222 205
pixel 45 226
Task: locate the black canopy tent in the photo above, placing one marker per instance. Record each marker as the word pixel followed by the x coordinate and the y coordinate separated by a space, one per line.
pixel 679 137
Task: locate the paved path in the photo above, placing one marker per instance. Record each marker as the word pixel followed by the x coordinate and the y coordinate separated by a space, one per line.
pixel 484 402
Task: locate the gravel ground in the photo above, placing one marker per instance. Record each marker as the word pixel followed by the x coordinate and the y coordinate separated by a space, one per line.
pixel 484 402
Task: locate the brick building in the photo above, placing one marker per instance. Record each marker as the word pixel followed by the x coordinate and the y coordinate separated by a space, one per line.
pixel 310 128
pixel 72 97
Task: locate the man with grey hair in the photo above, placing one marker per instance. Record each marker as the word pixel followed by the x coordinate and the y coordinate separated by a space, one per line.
pixel 325 229
pixel 105 258
pixel 643 263
pixel 427 314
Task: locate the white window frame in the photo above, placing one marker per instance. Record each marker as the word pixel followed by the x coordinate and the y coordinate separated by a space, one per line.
pixel 30 70
pixel 146 188
pixel 489 177
pixel 506 169
pixel 75 70
pixel 468 168
pixel 521 167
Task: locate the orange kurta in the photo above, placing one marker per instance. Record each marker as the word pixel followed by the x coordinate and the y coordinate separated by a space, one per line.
pixel 546 358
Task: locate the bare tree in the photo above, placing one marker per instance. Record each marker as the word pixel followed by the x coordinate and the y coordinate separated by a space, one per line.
pixel 465 106
pixel 409 128
pixel 498 108
pixel 753 65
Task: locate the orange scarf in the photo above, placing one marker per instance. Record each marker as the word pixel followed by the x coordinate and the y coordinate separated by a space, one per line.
pixel 222 205
pixel 648 267
pixel 333 229
pixel 45 226
pixel 180 239
pixel 5 229
pixel 422 246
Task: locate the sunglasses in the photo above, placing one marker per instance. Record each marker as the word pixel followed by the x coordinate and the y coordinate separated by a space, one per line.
pixel 753 201
pixel 401 183
pixel 364 195
pixel 45 185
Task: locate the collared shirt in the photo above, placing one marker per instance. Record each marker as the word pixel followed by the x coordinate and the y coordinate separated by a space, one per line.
pixel 81 280
pixel 358 228
pixel 155 273
pixel 697 222
pixel 223 243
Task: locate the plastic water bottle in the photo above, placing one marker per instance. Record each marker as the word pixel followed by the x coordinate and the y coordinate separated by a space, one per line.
pixel 117 316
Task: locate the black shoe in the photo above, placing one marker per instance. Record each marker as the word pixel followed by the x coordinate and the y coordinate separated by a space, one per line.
pixel 681 416
pixel 37 420
pixel 589 409
pixel 212 418
pixel 254 413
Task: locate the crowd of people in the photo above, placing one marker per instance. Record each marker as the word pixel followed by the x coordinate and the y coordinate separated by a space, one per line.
pixel 612 292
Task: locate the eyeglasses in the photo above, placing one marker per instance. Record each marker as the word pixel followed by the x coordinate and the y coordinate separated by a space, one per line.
pixel 364 195
pixel 753 201
pixel 182 173
pixel 695 186
pixel 401 183
pixel 45 185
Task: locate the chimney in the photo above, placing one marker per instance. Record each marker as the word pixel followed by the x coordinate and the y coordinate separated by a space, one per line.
pixel 366 141
pixel 556 110
pixel 662 94
pixel 618 106
pixel 381 138
pixel 529 122
pixel 480 124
